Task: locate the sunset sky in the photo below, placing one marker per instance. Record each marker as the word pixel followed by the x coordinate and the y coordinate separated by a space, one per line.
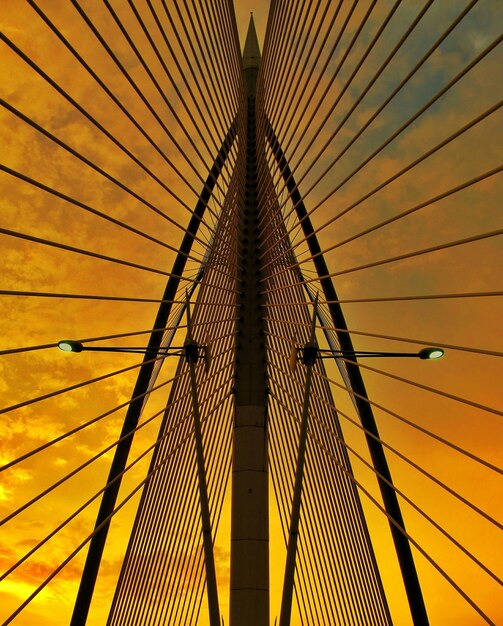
pixel 466 413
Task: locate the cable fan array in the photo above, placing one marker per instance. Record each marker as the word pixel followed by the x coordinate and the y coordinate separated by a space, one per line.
pixel 123 181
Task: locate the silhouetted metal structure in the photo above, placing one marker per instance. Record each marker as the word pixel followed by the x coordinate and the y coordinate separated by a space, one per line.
pixel 252 418
pixel 249 555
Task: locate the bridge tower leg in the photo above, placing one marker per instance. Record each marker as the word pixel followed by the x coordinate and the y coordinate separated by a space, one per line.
pixel 249 583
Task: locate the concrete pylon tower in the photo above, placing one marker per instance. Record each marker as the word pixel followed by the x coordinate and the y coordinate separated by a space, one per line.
pixel 249 581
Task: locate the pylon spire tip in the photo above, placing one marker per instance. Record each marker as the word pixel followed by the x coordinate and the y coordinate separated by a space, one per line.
pixel 251 52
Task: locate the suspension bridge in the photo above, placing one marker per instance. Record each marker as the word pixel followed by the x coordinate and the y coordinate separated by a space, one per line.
pixel 232 250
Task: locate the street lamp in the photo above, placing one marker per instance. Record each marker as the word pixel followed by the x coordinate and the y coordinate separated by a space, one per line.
pixel 431 353
pixel 192 352
pixel 311 351
pixel 197 350
pixel 67 345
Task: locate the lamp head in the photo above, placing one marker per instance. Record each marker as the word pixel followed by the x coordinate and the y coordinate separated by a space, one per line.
pixel 431 353
pixel 67 345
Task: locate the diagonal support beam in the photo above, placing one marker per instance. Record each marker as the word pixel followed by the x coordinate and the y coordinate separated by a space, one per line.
pixel 310 353
pixel 191 354
pixel 391 504
pixel 97 543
